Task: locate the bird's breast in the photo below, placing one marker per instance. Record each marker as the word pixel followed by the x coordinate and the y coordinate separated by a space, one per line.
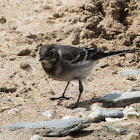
pixel 69 72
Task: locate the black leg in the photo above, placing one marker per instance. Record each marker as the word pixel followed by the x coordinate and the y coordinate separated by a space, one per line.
pixel 63 94
pixel 80 92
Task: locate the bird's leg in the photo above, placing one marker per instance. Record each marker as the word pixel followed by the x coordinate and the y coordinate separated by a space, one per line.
pixel 63 94
pixel 80 92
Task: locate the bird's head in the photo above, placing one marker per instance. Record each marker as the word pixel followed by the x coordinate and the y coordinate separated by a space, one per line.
pixel 48 54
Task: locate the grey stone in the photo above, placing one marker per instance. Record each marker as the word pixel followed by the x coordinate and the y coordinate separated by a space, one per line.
pixel 130 72
pixel 120 131
pixel 51 128
pixel 100 113
pixel 133 89
pixel 119 99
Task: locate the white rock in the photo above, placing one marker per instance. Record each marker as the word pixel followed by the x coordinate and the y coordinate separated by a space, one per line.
pixel 36 137
pixel 130 72
pixel 128 109
pixel 67 117
pixel 130 113
pixel 95 106
pixel 13 111
pixel 48 113
pixel 115 119
pixel 99 113
pixel 133 115
pixel 93 116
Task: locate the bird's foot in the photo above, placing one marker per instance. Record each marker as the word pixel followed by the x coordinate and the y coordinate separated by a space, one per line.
pixel 61 97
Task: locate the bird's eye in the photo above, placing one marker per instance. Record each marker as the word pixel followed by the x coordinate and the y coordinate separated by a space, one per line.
pixel 52 53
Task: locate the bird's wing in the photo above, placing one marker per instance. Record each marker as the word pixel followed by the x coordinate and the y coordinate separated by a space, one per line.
pixel 75 55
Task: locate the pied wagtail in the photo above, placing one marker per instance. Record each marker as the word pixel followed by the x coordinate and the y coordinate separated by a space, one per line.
pixel 67 63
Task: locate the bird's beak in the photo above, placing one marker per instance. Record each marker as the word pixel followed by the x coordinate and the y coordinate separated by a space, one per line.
pixel 41 58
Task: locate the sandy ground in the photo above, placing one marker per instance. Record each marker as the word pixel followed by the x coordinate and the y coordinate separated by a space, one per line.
pixel 25 25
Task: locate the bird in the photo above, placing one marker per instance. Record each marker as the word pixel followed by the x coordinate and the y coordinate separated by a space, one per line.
pixel 68 63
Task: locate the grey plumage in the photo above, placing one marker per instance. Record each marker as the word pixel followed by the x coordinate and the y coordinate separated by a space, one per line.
pixel 67 63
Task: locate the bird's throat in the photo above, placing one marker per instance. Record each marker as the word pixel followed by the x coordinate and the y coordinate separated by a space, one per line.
pixel 46 63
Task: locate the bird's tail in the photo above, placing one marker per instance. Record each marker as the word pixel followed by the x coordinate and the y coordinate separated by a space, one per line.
pixel 100 55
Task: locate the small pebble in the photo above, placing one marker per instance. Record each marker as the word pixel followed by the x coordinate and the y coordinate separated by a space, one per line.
pixel 133 115
pixel 95 115
pixel 130 113
pixel 128 109
pixel 13 111
pixel 67 117
pixel 11 58
pixel 13 74
pixel 4 108
pixel 133 89
pixel 24 65
pixel 36 137
pixel 8 89
pixel 24 52
pixel 131 78
pixel 33 54
pixel 2 20
pixel 81 115
pixel 48 113
pixel 76 37
pixel 120 131
pixel 133 136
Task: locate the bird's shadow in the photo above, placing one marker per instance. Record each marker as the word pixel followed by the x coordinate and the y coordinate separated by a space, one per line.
pixel 85 104
pixel 81 133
